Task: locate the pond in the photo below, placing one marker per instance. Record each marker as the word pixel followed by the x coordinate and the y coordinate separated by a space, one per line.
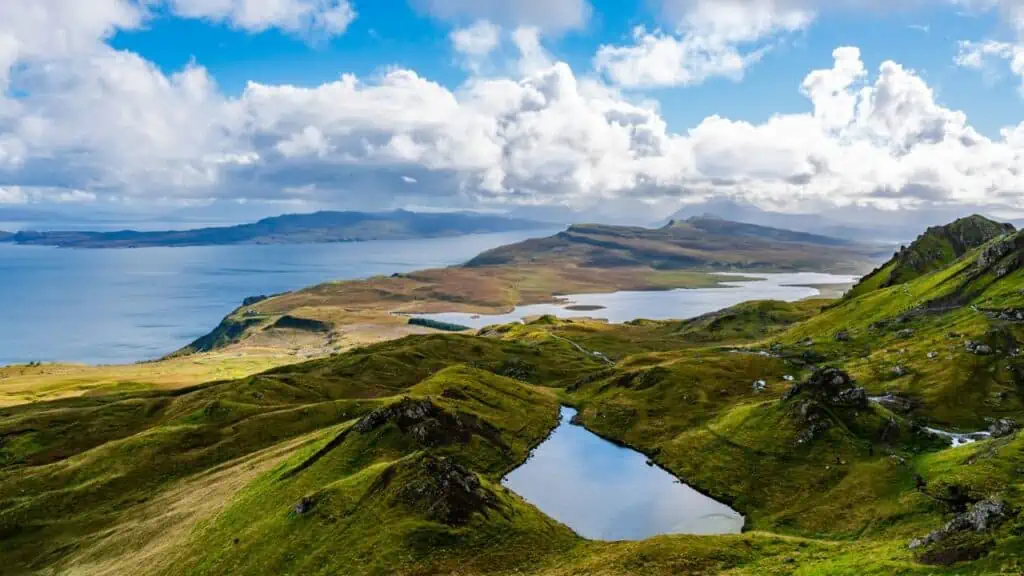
pixel 607 492
pixel 619 307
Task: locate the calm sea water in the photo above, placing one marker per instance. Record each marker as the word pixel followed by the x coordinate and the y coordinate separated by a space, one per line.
pixel 120 306
pixel 606 492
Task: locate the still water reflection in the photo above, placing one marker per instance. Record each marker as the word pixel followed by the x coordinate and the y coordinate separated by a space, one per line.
pixel 606 492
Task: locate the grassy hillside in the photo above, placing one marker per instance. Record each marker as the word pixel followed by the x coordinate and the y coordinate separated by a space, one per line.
pixel 933 250
pixel 388 459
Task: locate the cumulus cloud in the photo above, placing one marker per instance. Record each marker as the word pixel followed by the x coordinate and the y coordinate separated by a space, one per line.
pixel 330 17
pixel 476 42
pixel 984 55
pixel 710 38
pixel 545 15
pixel 94 123
pixel 722 38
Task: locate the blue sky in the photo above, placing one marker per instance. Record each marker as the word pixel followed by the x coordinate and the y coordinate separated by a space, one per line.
pixel 391 33
pixel 628 108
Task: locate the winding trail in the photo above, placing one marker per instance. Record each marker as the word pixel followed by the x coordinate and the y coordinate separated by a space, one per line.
pixel 595 354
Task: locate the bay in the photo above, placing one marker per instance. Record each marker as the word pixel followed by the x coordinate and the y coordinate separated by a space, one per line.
pixel 126 305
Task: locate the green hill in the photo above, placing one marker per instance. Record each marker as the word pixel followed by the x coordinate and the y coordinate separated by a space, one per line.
pixel 937 248
pixel 812 419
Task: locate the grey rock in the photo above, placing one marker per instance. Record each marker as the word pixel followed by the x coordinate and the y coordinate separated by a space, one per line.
pixel 1003 427
pixel 980 517
pixel 304 506
pixel 905 333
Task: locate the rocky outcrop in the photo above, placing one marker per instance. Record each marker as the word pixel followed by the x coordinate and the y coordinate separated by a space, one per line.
pixel 439 488
pixel 429 424
pixel 1003 427
pixel 812 401
pixel 954 542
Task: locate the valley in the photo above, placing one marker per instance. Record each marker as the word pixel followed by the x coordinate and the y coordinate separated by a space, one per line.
pixel 809 418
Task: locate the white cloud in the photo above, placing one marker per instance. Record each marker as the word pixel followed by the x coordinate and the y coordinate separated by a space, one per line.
pixel 711 38
pixel 480 39
pixel 545 15
pixel 30 195
pixel 983 55
pixel 658 59
pixel 475 43
pixel 330 17
pixel 95 123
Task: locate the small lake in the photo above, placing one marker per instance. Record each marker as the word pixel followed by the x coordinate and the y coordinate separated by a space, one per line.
pixel 607 492
pixel 619 307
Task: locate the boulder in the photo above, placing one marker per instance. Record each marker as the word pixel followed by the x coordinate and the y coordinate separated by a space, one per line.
pixel 1003 427
pixel 980 517
pixel 304 506
pixel 842 336
pixel 905 333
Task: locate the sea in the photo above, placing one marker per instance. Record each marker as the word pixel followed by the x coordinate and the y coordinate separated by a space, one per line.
pixel 117 306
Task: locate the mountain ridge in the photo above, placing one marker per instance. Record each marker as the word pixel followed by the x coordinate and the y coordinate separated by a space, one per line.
pixel 316 227
pixel 936 248
pixel 694 243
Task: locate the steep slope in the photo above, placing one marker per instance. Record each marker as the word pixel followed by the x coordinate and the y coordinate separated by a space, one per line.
pixel 937 248
pixel 294 229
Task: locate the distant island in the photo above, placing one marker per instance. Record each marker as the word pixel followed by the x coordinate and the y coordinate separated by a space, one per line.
pixel 319 227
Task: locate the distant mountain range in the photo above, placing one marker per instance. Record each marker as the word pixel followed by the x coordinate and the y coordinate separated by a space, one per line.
pixel 859 223
pixel 318 227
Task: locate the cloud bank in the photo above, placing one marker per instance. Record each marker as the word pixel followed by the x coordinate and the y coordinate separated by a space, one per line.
pixel 83 122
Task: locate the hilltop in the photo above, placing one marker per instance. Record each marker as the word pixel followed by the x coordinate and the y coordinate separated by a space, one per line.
pixel 825 423
pixel 292 229
pixel 936 248
pixel 695 243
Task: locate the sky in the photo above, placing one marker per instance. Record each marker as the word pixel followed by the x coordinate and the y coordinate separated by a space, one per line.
pixel 614 109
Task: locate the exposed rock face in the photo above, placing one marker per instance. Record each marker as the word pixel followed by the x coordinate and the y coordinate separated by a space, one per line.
pixel 826 388
pixel 445 491
pixel 428 423
pixel 1003 427
pixel 980 517
pixel 831 386
pixel 842 336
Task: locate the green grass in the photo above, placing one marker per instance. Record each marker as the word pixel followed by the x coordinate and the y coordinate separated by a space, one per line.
pixel 206 479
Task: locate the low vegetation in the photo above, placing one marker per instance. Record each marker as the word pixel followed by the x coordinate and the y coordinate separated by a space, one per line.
pixel 812 419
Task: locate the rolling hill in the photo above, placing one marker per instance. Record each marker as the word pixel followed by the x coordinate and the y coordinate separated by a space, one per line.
pixel 826 423
pixel 707 243
pixel 292 229
pixel 582 259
